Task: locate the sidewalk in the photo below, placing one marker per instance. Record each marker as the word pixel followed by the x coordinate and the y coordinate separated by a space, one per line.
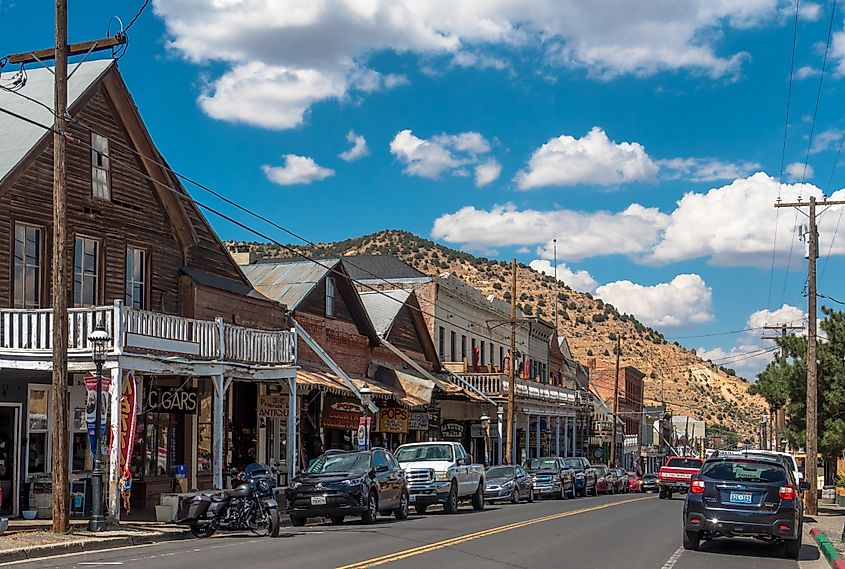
pixel 827 529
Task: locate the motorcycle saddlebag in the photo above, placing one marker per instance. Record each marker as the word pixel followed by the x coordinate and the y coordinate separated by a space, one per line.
pixel 193 508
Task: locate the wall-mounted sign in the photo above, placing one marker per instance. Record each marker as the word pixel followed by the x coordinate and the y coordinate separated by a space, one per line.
pixel 452 430
pixel 476 431
pixel 272 406
pixel 393 420
pixel 418 421
pixel 341 414
pixel 171 400
pixel 433 417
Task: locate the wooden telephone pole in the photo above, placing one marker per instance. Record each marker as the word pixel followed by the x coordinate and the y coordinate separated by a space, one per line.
pixel 59 264
pixel 510 448
pixel 811 445
pixel 615 405
pixel 775 421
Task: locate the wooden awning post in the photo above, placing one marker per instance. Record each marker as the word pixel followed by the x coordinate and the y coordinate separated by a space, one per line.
pixel 221 385
pixel 293 430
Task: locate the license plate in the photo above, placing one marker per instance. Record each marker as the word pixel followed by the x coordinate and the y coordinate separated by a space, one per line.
pixel 318 500
pixel 412 498
pixel 740 498
pixel 544 490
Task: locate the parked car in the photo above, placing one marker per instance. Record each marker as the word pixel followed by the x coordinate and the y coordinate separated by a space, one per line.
pixel 634 482
pixel 508 483
pixel 340 484
pixel 676 475
pixel 612 480
pixel 649 483
pixel 585 475
pixel 552 477
pixel 745 496
pixel 441 473
pixel 621 480
pixel 603 479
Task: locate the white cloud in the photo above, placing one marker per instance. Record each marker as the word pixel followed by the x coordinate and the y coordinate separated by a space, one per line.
pixel 705 169
pixel 786 314
pixel 359 147
pixel 445 153
pixel 581 281
pixel 591 159
pixel 297 170
pixel 487 172
pixel 826 140
pixel 298 52
pixel 732 225
pixel 686 299
pixel 799 172
pixel 805 72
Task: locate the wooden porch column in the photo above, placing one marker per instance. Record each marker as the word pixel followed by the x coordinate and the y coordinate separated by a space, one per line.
pixel 527 435
pixel 115 390
pixel 557 436
pixel 291 441
pixel 574 435
pixel 500 416
pixel 221 385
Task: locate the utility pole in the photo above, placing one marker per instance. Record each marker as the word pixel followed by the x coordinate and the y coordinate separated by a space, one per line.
pixel 555 293
pixel 615 404
pixel 777 412
pixel 59 263
pixel 811 445
pixel 511 447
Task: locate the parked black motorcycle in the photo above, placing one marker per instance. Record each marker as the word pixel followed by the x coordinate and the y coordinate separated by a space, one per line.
pixel 251 506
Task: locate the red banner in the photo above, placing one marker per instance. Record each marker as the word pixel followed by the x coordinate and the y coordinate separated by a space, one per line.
pixel 128 417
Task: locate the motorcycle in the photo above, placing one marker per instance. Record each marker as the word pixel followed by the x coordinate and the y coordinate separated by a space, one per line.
pixel 251 506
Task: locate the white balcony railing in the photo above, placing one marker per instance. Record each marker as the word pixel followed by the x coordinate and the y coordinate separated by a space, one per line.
pixel 496 385
pixel 30 331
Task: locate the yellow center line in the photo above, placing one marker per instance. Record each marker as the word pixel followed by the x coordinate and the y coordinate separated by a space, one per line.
pixel 405 553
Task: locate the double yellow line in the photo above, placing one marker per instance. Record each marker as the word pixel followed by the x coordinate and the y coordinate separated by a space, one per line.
pixel 399 555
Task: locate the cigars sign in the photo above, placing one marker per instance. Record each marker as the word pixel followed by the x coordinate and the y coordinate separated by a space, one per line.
pixel 172 400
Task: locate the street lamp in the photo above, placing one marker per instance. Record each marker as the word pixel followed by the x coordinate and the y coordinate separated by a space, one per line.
pixel 99 339
pixel 366 395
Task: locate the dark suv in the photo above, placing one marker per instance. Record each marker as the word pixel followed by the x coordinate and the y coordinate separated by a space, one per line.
pixel 737 496
pixel 585 475
pixel 358 483
pixel 551 477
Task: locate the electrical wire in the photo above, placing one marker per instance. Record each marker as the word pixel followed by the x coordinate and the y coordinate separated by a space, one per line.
pixel 136 16
pixel 728 332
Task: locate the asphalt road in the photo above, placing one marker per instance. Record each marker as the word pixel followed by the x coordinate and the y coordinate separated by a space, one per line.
pixel 630 531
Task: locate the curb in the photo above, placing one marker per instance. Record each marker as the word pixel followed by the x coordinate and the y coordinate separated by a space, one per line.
pixel 835 560
pixel 38 551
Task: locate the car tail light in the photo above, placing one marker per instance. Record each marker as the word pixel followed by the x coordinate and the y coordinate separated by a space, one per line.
pixel 787 493
pixel 697 487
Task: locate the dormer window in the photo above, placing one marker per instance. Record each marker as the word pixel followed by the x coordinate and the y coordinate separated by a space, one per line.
pixel 330 296
pixel 100 175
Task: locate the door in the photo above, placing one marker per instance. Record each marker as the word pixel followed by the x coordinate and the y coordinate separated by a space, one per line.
pixel 461 471
pixel 10 429
pixel 387 481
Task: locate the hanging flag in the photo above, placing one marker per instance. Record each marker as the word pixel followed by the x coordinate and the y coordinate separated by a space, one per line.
pixel 91 408
pixel 128 418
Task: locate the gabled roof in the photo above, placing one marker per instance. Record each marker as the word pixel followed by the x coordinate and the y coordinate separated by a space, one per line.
pixel 383 307
pixel 18 137
pixel 288 282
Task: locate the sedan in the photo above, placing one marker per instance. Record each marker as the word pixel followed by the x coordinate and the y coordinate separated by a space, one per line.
pixel 734 496
pixel 552 477
pixel 649 483
pixel 604 480
pixel 339 484
pixel 634 482
pixel 511 483
pixel 621 480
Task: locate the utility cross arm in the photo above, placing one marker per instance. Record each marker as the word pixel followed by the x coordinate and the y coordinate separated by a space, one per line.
pixel 806 204
pixel 72 49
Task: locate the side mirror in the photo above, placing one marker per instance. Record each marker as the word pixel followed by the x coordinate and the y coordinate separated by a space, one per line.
pixel 468 459
pixel 804 486
pixel 461 461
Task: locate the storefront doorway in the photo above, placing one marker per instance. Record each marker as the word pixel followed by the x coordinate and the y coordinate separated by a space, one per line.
pixel 10 428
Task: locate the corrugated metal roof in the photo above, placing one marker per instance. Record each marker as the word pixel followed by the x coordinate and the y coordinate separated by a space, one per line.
pixel 17 137
pixel 288 282
pixel 383 306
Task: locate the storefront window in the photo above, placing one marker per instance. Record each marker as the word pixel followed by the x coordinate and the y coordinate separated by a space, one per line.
pixel 37 445
pixel 204 427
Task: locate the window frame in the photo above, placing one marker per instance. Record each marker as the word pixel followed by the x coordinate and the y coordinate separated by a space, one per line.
pixel 48 445
pixel 39 300
pixel 100 162
pixel 145 282
pixel 441 345
pixel 98 274
pixel 331 288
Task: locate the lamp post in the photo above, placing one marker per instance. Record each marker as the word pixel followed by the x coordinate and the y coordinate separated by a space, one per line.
pixel 485 426
pixel 99 339
pixel 366 395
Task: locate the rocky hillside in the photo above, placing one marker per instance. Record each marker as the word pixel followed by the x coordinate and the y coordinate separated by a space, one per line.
pixel 690 385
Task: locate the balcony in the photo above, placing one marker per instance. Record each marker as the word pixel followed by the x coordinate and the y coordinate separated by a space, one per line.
pixel 29 333
pixel 495 386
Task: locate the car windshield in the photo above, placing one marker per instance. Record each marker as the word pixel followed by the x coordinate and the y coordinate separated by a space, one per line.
pixel 541 464
pixel 500 472
pixel 684 463
pixel 572 462
pixel 353 462
pixel 424 452
pixel 600 469
pixel 744 471
pixel 649 477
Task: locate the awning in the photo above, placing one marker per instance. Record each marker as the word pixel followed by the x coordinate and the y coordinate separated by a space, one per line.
pixel 312 377
pixel 405 388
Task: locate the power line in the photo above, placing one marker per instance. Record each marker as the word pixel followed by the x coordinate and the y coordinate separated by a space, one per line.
pixel 136 16
pixel 726 332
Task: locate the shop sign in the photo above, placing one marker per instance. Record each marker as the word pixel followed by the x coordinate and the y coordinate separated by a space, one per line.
pixel 272 406
pixel 452 430
pixel 393 420
pixel 341 414
pixel 172 400
pixel 433 417
pixel 476 431
pixel 417 421
pixel 364 426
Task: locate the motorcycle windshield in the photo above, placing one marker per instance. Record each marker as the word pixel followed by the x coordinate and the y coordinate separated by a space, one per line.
pixel 257 469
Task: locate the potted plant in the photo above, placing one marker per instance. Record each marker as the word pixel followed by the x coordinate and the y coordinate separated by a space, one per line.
pixel 840 489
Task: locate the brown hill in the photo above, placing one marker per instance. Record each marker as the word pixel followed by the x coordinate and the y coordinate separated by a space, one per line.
pixel 689 385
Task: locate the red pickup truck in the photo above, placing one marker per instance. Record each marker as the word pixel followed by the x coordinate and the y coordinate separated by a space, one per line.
pixel 676 475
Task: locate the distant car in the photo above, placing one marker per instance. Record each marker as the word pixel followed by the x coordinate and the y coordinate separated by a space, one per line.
pixel 585 476
pixel 604 482
pixel 737 496
pixel 676 475
pixel 511 483
pixel 621 480
pixel 552 477
pixel 634 482
pixel 649 483
pixel 339 484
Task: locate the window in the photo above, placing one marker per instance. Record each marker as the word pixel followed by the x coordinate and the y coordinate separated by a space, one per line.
pixel 136 278
pixel 482 352
pixel 100 167
pixel 442 343
pixel 463 347
pixel 38 442
pixel 329 296
pixel 502 359
pixel 27 283
pixel 204 427
pixel 452 346
pixel 86 272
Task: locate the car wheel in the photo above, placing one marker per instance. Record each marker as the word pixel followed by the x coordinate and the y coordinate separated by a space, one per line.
pixel 515 497
pixel 297 521
pixel 531 495
pixel 692 540
pixel 595 489
pixel 562 494
pixel 583 491
pixel 669 495
pixel 478 497
pixel 401 513
pixel 420 508
pixel 371 513
pixel 337 520
pixel 451 505
pixel 572 491
pixel 662 494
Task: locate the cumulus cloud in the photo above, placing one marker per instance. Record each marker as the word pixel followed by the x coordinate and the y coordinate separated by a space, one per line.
pixel 296 170
pixel 581 281
pixel 445 153
pixel 827 140
pixel 705 169
pixel 798 172
pixel 731 225
pixel 786 314
pixel 359 147
pixel 806 71
pixel 684 300
pixel 280 57
pixel 591 159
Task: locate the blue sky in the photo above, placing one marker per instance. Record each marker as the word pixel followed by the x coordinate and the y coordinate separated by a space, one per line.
pixel 498 126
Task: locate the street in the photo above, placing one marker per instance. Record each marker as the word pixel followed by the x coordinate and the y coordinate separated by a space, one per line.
pixel 632 531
